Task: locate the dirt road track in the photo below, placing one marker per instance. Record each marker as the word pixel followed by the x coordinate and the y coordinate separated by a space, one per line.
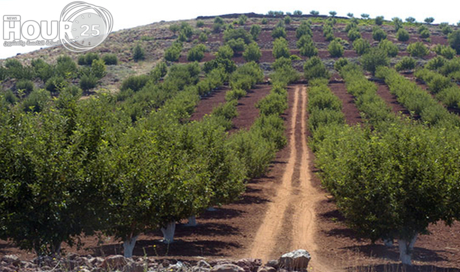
pixel 290 219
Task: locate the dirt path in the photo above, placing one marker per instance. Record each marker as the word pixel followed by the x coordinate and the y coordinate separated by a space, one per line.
pixel 290 220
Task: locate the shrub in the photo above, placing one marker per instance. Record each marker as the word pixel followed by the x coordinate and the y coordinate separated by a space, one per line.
pixel 252 52
pixel 335 48
pixel 340 63
pixel 445 51
pixel 87 59
pixel 264 21
pixel 196 53
pixel 235 34
pixel 303 29
pixel 138 53
pixel 227 110
pixel 98 68
pixel 280 48
pixel 235 94
pixel 418 49
pixel 66 67
pixel 378 34
pixel 406 63
pixel 173 52
pixel 389 47
pixel 26 85
pixel 272 104
pixel 314 68
pixel 398 23
pixel 255 31
pixel 435 63
pixel 379 20
pixel 237 45
pixel 425 33
pixel 224 52
pixel 361 46
pixel 203 37
pixel 373 59
pixel 36 100
pixel 402 35
pixel 353 34
pixel 134 83
pixel 287 20
pixel 279 32
pixel 87 82
pixel 199 23
pixel 110 59
pixel 446 30
pixel 174 28
pixel 56 84
pixel 242 19
pixel 454 40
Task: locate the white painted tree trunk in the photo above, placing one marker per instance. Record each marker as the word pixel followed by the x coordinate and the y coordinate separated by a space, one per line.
pixel 128 246
pixel 191 221
pixel 211 209
pixel 388 242
pixel 405 250
pixel 168 233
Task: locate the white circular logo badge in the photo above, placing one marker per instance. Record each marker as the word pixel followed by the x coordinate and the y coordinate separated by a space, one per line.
pixel 86 25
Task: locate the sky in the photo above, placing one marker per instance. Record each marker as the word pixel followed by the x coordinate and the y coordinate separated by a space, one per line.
pixel 137 12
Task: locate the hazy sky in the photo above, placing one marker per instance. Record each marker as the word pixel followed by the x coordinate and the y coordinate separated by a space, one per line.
pixel 135 12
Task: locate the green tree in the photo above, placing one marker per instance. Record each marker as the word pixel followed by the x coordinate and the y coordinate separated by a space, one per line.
pixel 252 52
pixel 314 12
pixel 255 31
pixel 429 20
pixel 332 13
pixel 454 40
pixel 98 68
pixel 389 47
pixel 335 49
pixel 314 68
pixel 361 46
pixel 280 48
pixel 196 53
pixel 406 63
pixel 353 34
pixel 287 19
pixel 410 20
pixel 398 23
pixel 279 32
pixel 297 12
pixel 418 49
pixel 379 20
pixel 381 202
pixel 402 35
pixel 224 52
pixel 138 53
pixel 303 29
pixel 172 53
pixel 378 34
pixel 374 58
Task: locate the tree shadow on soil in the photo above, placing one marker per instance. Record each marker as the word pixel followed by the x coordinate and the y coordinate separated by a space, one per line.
pixel 392 253
pixel 220 213
pixel 178 248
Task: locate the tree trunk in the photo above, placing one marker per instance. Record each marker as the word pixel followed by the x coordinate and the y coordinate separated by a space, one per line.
pixel 128 246
pixel 191 221
pixel 168 233
pixel 388 242
pixel 405 249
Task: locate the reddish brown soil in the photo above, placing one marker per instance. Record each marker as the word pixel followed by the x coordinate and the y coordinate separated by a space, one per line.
pixel 247 113
pixel 208 103
pixel 352 115
pixel 384 92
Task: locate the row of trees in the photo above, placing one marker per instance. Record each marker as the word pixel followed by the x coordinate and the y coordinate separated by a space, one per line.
pixel 390 179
